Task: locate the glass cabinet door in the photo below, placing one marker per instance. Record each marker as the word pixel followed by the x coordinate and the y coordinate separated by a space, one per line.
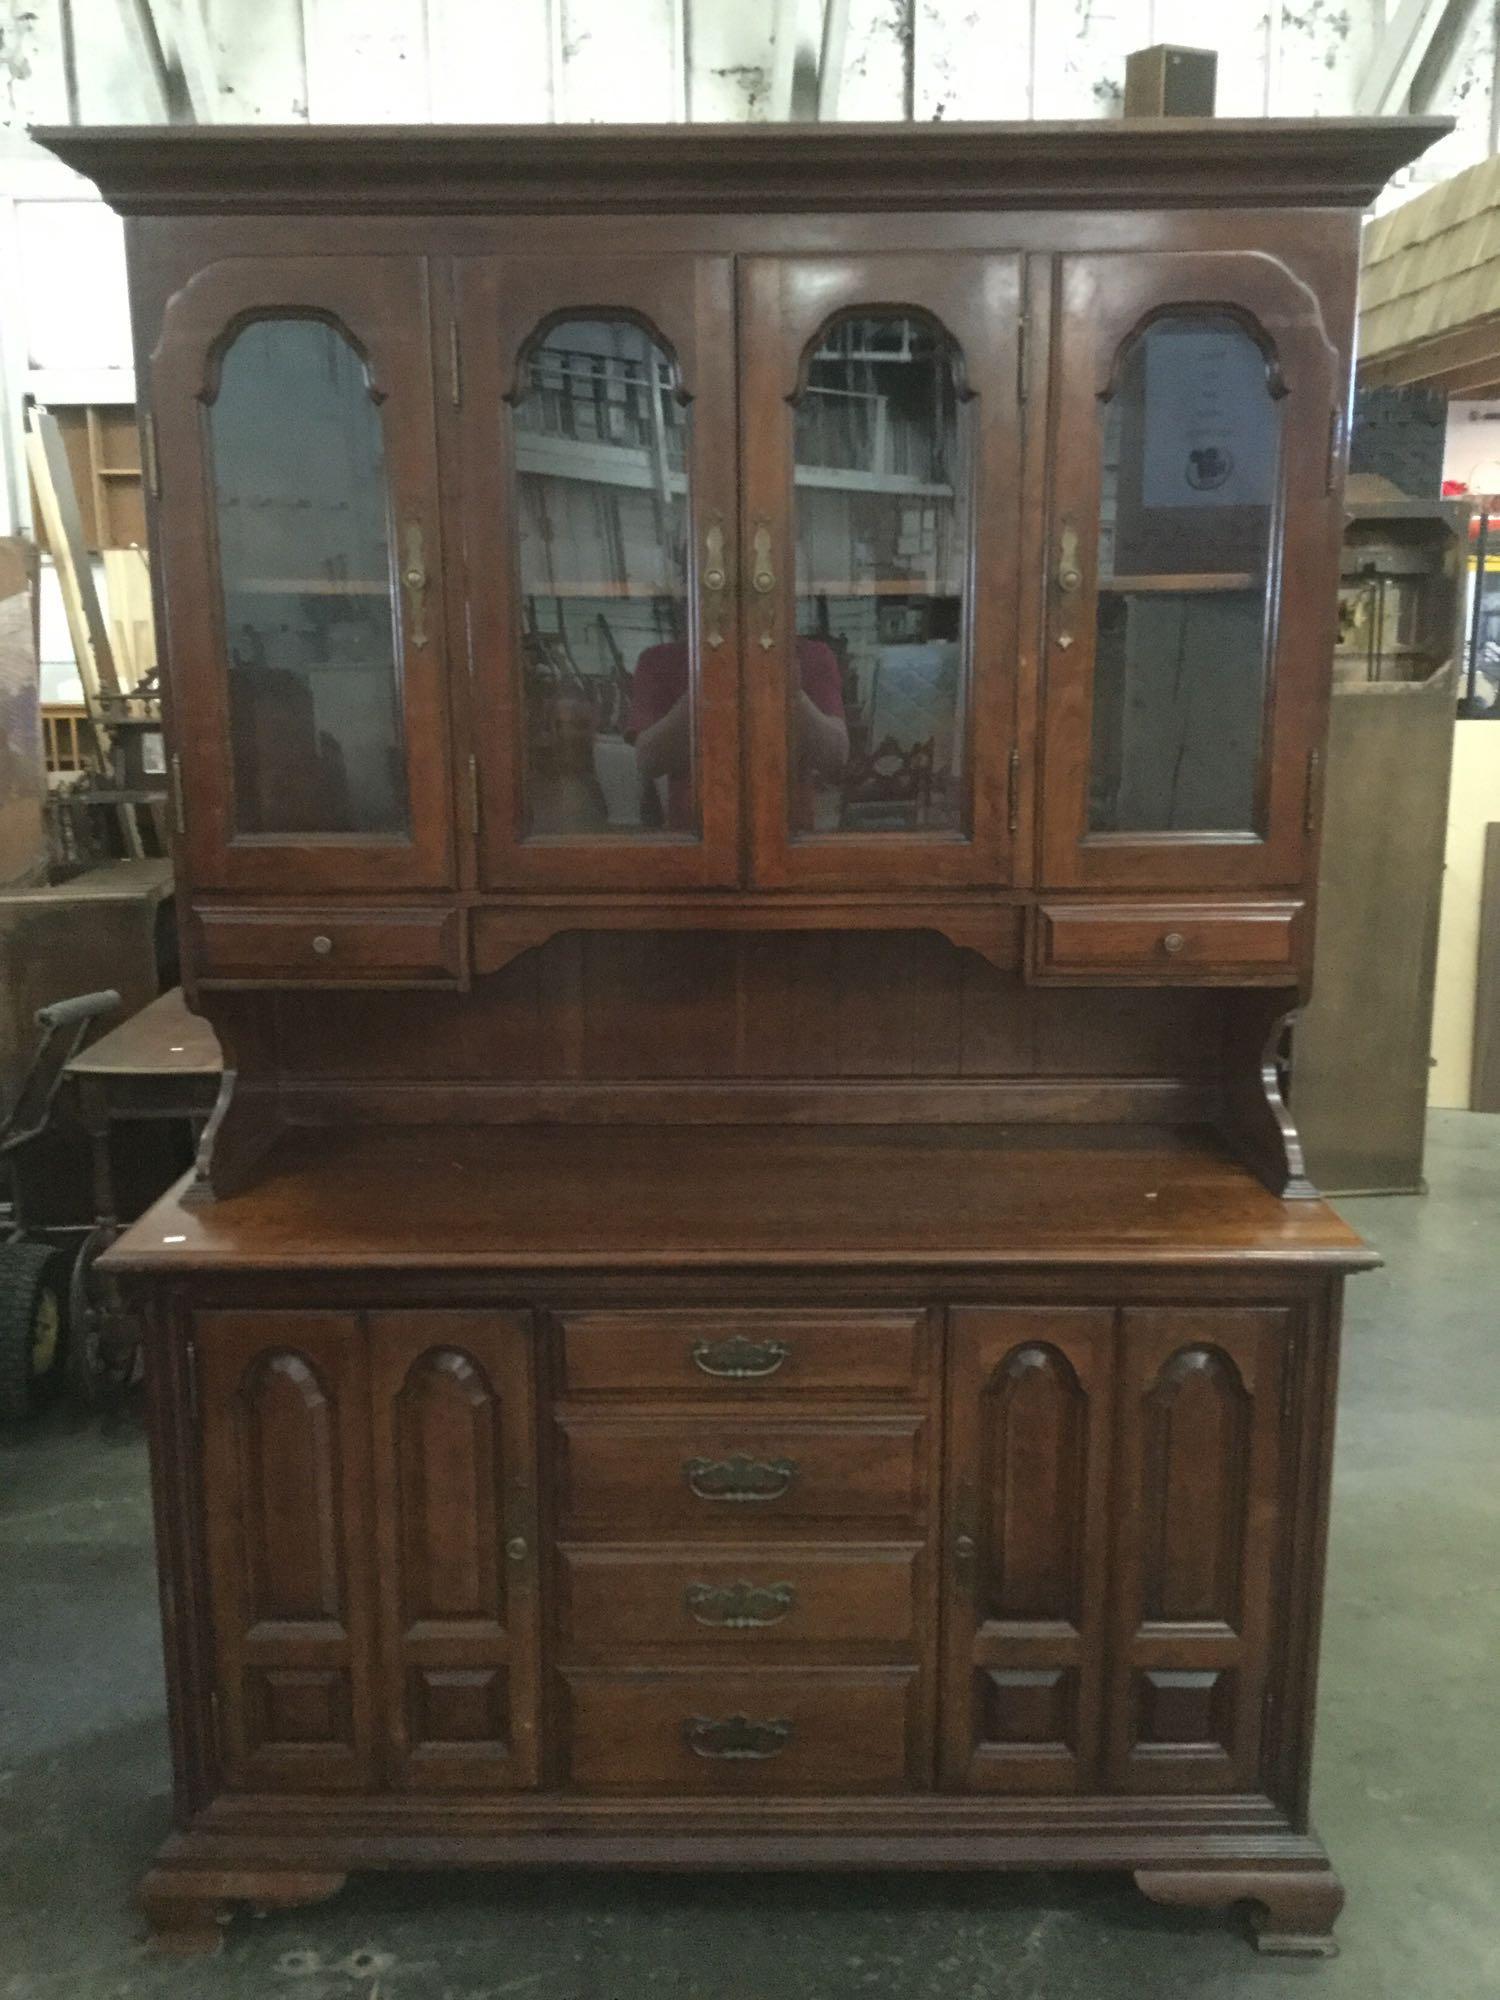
pixel 1191 539
pixel 599 506
pixel 299 534
pixel 881 443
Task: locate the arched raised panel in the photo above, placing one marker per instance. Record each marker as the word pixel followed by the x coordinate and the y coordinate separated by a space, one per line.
pixel 1033 1479
pixel 448 1472
pixel 1195 1470
pixel 289 1486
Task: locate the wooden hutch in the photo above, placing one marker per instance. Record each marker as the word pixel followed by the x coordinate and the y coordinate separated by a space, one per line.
pixel 746 711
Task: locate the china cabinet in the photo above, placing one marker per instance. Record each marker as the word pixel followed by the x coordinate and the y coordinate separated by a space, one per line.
pixel 746 711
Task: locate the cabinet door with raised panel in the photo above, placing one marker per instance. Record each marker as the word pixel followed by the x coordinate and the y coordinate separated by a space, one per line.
pixel 599 497
pixel 297 532
pixel 1194 538
pixel 285 1449
pixel 881 441
pixel 455 1525
pixel 1027 1545
pixel 1201 1545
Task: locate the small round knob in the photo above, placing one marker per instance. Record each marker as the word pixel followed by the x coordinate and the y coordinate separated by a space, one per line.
pixel 416 579
pixel 764 580
pixel 1173 942
pixel 1069 579
pixel 963 1547
pixel 713 579
pixel 322 945
pixel 516 1548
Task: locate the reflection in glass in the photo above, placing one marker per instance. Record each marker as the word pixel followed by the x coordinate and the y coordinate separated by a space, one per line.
pixel 310 619
pixel 601 444
pixel 882 532
pixel 1192 438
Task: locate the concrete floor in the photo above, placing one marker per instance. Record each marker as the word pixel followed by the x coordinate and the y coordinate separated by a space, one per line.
pixel 1405 1789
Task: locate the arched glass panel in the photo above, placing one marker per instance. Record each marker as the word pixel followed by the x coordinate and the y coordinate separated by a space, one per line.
pixel 311 620
pixel 881 497
pixel 601 448
pixel 1192 444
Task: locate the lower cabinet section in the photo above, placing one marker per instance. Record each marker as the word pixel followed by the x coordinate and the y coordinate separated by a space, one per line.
pixel 1031 1549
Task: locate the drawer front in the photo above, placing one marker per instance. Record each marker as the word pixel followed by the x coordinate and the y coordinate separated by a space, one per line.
pixel 330 947
pixel 1239 942
pixel 773 1731
pixel 743 1598
pixel 679 1477
pixel 749 1353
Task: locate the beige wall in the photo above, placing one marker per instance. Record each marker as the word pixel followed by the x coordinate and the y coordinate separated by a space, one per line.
pixel 1474 803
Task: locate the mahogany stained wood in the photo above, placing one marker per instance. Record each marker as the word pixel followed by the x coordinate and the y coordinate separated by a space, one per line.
pixel 795 1352
pixel 858 1198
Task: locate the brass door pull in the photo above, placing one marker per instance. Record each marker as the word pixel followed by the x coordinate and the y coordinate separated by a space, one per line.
pixel 1068 577
pixel 738 1359
pixel 715 582
pixel 736 1737
pixel 763 583
pixel 414 576
pixel 739 1477
pixel 739 1607
pixel 964 1550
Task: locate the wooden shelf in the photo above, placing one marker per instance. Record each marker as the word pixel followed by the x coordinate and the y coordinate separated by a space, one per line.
pixel 1190 583
pixel 625 1196
pixel 569 591
pixel 880 587
pixel 310 586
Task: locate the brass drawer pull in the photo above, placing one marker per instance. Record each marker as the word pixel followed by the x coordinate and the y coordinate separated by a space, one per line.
pixel 322 945
pixel 739 1607
pixel 736 1738
pixel 738 1359
pixel 739 1477
pixel 1173 942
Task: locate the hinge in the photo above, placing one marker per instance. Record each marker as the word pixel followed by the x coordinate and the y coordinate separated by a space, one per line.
pixel 215 1729
pixel 1023 357
pixel 1288 1390
pixel 1267 1713
pixel 1310 793
pixel 153 461
pixel 179 817
pixel 455 365
pixel 1014 794
pixel 190 1360
pixel 474 796
pixel 1335 447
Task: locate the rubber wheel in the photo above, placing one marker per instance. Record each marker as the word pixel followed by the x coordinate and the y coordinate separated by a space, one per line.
pixel 99 1367
pixel 33 1324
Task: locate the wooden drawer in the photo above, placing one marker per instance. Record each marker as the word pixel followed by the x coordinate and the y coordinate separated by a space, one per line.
pixel 749 1353
pixel 774 1730
pixel 650 1477
pixel 330 947
pixel 742 1598
pixel 1142 943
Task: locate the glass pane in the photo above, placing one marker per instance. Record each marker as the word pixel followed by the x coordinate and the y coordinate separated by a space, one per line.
pixel 309 609
pixel 1192 440
pixel 882 532
pixel 601 441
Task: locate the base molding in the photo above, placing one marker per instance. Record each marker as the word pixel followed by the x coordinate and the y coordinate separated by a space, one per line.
pixel 203 1874
pixel 1292 1910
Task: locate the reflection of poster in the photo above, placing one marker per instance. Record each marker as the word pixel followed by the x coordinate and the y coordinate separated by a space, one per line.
pixel 1209 440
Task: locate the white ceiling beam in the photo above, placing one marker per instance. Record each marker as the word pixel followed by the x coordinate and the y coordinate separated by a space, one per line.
pixel 795 59
pixel 1398 56
pixel 179 58
pixel 831 56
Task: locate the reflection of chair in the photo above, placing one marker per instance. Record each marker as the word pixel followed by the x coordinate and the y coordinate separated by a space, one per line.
pixel 891 786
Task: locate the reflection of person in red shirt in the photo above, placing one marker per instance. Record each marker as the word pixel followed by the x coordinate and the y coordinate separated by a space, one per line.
pixel 660 726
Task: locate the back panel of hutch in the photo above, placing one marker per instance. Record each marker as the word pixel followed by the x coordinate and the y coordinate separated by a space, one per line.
pixel 746 710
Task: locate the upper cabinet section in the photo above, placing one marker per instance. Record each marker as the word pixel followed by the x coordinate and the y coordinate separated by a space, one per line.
pixel 881 497
pixel 299 540
pixel 1193 529
pixel 598 477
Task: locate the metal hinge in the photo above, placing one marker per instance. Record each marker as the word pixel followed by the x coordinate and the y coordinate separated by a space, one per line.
pixel 455 365
pixel 215 1728
pixel 1310 794
pixel 474 796
pixel 179 817
pixel 1014 794
pixel 1288 1389
pixel 1023 357
pixel 153 460
pixel 190 1360
pixel 1267 1714
pixel 1335 448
